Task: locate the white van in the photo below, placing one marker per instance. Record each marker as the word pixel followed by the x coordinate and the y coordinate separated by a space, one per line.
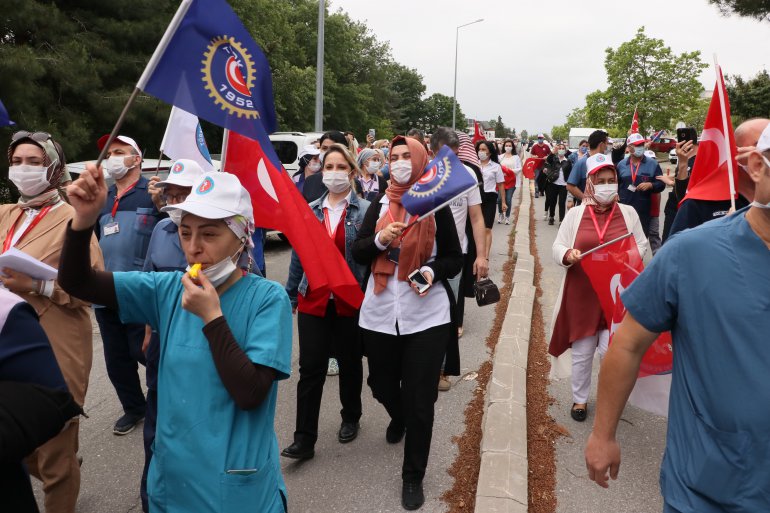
pixel 288 145
pixel 578 134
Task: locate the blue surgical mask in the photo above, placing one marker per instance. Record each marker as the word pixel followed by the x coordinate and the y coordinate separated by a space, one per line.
pixel 639 151
pixel 540 140
pixel 583 149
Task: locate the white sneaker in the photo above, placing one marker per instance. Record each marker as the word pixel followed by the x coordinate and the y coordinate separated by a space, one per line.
pixel 507 220
pixel 545 216
pixel 499 218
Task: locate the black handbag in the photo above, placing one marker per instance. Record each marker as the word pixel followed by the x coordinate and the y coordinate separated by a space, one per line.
pixel 486 292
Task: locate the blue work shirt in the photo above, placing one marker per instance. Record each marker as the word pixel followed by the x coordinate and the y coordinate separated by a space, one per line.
pixel 209 455
pixel 577 176
pixel 164 252
pixel 136 217
pixel 640 200
pixel 710 286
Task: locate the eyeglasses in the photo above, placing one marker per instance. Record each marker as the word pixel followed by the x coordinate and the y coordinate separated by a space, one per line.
pixel 35 136
pixel 178 198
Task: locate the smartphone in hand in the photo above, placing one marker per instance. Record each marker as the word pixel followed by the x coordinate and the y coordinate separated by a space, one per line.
pixel 419 279
pixel 371 132
pixel 687 134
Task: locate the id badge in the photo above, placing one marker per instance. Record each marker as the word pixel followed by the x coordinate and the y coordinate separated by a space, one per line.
pixel 632 188
pixel 393 255
pixel 111 228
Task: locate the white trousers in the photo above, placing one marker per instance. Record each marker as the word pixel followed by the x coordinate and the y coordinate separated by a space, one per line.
pixel 582 362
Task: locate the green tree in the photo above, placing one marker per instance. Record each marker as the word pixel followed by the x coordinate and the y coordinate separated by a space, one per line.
pixel 524 135
pixel 758 9
pixel 645 73
pixel 696 116
pixel 749 98
pixel 437 111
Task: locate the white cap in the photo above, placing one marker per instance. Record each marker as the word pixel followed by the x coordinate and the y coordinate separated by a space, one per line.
pixel 184 172
pixel 310 149
pixel 597 162
pixel 540 136
pixel 216 196
pixel 764 140
pixel 635 140
pixel 650 154
pixel 122 138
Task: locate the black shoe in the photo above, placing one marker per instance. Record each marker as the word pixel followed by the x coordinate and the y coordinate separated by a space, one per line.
pixel 412 496
pixel 395 432
pixel 297 451
pixel 550 221
pixel 348 432
pixel 127 423
pixel 579 414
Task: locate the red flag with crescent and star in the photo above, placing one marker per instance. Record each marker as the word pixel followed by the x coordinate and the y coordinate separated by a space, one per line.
pixel 635 122
pixel 709 179
pixel 531 165
pixel 478 133
pixel 611 271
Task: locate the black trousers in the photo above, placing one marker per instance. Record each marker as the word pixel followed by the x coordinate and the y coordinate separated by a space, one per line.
pixel 403 375
pixel 553 194
pixel 319 339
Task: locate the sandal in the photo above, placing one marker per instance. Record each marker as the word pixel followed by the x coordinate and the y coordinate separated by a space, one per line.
pixel 579 414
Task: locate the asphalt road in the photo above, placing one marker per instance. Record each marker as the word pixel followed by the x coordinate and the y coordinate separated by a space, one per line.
pixel 362 476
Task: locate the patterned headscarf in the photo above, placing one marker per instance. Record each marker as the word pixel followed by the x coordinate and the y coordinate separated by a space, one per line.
pixel 589 195
pixel 50 195
pixel 466 152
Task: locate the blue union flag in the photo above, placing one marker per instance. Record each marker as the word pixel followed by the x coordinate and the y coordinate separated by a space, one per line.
pixel 444 179
pixel 208 65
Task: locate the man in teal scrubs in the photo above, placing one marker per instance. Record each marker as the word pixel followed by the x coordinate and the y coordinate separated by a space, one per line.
pixel 711 287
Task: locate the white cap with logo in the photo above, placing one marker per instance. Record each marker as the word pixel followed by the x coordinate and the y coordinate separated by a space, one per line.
pixel 597 162
pixel 184 172
pixel 635 139
pixel 215 196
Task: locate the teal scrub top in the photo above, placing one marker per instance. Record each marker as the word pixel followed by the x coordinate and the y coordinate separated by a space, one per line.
pixel 209 455
pixel 711 287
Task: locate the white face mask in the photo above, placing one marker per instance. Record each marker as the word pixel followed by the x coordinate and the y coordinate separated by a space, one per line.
pixel 373 166
pixel 508 149
pixel 638 151
pixel 605 193
pixel 30 180
pixel 313 167
pixel 321 156
pixel 401 171
pixel 561 153
pixel 116 166
pixel 483 155
pixel 336 181
pixel 219 272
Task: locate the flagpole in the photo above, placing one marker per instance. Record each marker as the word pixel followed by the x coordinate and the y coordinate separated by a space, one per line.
pixel 433 211
pixel 148 70
pixel 225 137
pixel 728 150
pixel 600 246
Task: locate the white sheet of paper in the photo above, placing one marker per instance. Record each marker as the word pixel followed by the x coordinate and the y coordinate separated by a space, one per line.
pixel 23 263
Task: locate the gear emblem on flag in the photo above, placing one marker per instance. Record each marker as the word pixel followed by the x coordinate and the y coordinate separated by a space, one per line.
pixel 229 75
pixel 432 180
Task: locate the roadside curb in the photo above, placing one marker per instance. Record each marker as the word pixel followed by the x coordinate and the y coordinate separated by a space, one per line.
pixel 503 477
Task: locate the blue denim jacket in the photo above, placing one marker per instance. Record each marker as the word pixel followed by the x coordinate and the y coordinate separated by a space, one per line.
pixel 354 216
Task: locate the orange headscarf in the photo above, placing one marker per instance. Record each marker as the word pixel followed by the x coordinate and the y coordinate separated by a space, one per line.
pixel 417 244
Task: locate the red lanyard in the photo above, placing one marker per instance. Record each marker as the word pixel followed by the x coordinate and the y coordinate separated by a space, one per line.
pixel 39 217
pixel 331 230
pixel 606 223
pixel 634 172
pixel 117 198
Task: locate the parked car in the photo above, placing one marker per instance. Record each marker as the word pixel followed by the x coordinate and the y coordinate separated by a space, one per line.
pixel 150 167
pixel 664 145
pixel 672 157
pixel 288 145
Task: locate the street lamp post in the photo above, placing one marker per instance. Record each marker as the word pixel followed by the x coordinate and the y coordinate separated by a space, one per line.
pixel 454 95
pixel 319 73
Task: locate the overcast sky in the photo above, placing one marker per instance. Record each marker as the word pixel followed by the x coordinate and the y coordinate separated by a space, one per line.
pixel 533 62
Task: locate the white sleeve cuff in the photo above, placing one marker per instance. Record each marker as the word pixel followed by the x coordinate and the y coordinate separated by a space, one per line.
pixel 427 270
pixel 379 244
pixel 48 288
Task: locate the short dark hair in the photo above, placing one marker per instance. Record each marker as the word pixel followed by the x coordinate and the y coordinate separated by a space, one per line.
pixel 444 135
pixel 584 141
pixel 334 135
pixel 596 138
pixel 415 132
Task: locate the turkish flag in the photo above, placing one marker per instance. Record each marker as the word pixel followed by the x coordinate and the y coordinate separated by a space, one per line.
pixel 611 270
pixel 531 165
pixel 635 123
pixel 709 179
pixel 279 205
pixel 478 133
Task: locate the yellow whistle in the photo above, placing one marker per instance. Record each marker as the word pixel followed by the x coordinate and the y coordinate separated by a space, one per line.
pixel 193 272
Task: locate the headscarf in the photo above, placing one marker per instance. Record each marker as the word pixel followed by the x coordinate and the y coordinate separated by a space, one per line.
pixel 589 195
pixel 466 152
pixel 365 155
pixel 50 196
pixel 417 244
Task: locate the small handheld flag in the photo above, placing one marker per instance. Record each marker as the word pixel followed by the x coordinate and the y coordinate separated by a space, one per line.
pixel 184 139
pixel 5 120
pixel 635 122
pixel 445 178
pixel 531 165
